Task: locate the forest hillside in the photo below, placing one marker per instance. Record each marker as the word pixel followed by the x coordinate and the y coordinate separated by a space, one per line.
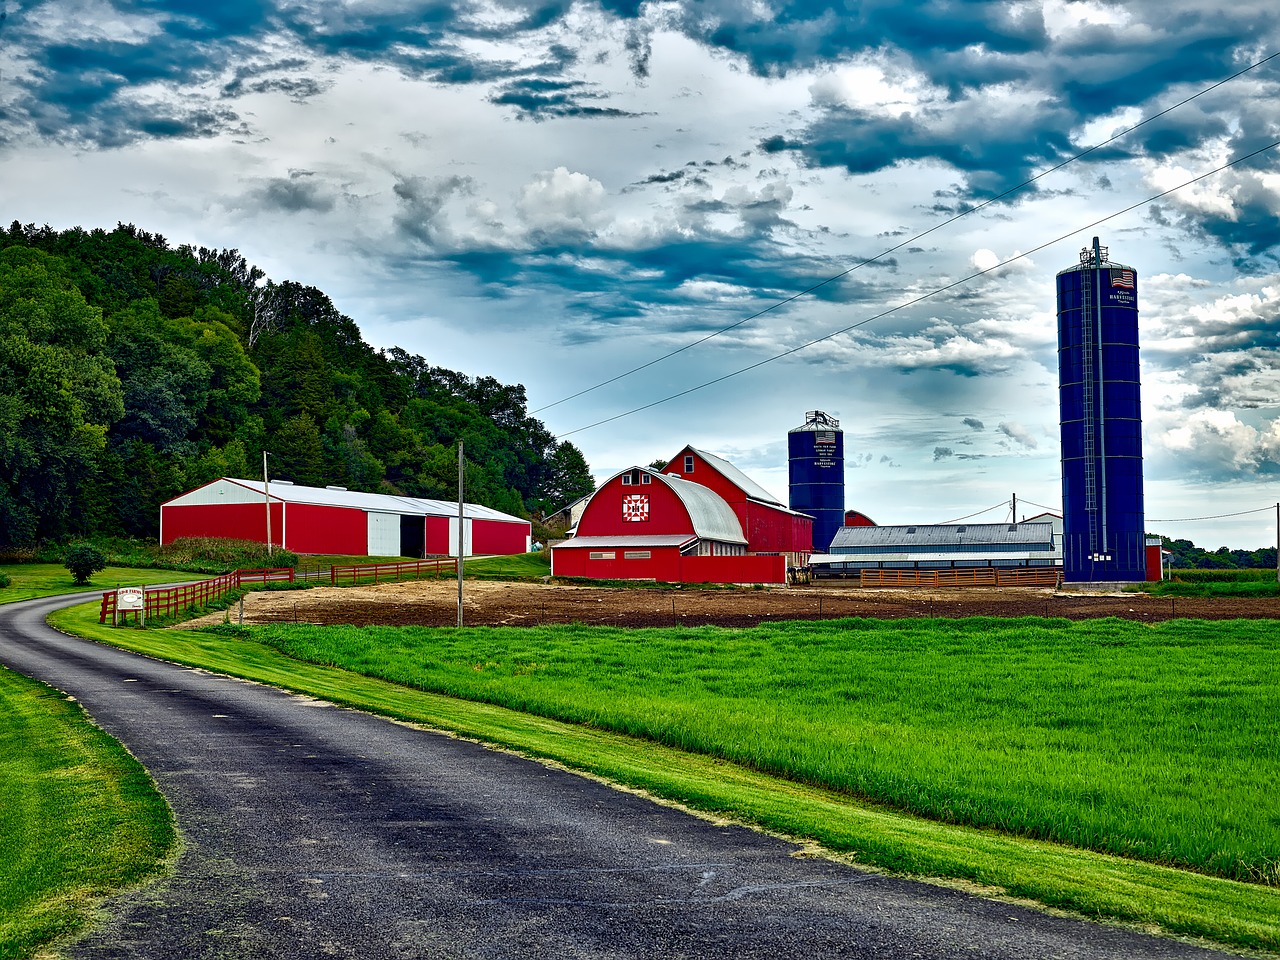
pixel 132 370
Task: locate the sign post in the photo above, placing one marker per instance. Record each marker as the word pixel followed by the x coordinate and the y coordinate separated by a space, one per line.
pixel 132 598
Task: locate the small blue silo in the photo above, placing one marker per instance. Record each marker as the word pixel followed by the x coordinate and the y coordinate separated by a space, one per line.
pixel 815 457
pixel 1101 420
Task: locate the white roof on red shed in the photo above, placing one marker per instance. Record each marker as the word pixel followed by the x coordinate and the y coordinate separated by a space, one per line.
pixel 230 490
pixel 654 540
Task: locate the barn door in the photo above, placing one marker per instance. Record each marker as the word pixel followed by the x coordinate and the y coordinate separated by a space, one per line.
pixel 384 534
pixel 453 536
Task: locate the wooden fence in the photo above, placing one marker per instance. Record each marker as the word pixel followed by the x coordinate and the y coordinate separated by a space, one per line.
pixel 168 601
pixel 357 573
pixel 965 577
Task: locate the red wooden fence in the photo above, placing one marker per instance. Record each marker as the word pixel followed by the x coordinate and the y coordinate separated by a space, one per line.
pixel 964 577
pixel 167 601
pixel 375 572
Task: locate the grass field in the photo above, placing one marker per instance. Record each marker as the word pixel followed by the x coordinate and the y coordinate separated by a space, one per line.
pixel 1153 742
pixel 79 817
pixel 1111 734
pixel 30 580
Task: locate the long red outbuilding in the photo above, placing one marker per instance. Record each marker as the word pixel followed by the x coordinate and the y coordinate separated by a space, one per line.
pixel 334 520
pixel 699 520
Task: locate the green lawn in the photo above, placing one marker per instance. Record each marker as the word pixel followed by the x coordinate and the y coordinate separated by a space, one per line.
pixel 79 817
pixel 30 580
pixel 946 748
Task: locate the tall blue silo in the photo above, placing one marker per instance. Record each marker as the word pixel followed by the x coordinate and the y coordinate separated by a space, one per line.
pixel 815 457
pixel 1101 420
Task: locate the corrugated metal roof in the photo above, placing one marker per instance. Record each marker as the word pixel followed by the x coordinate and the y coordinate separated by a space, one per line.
pixel 738 478
pixel 939 536
pixel 328 497
pixel 653 540
pixel 938 556
pixel 713 518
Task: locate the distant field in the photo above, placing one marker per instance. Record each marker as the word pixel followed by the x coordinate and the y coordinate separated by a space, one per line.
pixel 30 580
pixel 1215 583
pixel 1148 741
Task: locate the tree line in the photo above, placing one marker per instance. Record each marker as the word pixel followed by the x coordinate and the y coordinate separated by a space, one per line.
pixel 1187 556
pixel 132 370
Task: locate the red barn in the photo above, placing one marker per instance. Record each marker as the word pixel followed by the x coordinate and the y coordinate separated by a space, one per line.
pixel 718 528
pixel 770 526
pixel 335 520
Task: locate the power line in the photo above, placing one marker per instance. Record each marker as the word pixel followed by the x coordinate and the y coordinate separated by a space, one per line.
pixel 1002 503
pixel 923 297
pixel 1042 506
pixel 1220 516
pixel 938 226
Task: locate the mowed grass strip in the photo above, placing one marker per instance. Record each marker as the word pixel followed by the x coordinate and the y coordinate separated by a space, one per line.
pixel 1095 884
pixel 79 817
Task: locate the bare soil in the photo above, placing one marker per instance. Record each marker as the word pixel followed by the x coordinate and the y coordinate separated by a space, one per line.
pixel 488 603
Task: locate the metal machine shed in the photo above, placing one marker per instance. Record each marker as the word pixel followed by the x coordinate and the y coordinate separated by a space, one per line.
pixel 339 521
pixel 940 546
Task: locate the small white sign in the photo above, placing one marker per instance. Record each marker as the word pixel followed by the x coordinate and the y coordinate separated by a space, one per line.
pixel 130 598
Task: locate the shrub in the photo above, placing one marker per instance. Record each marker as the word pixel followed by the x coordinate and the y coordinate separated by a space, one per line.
pixel 83 560
pixel 4 580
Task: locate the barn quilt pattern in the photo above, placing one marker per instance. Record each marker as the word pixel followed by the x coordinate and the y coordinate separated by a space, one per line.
pixel 635 507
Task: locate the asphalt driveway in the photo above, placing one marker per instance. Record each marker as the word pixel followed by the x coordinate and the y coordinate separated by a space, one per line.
pixel 315 831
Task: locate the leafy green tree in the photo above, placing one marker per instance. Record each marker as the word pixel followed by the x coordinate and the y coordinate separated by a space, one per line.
pixel 58 395
pixel 83 560
pixel 298 451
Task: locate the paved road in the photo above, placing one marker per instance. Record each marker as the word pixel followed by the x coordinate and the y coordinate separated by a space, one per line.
pixel 313 831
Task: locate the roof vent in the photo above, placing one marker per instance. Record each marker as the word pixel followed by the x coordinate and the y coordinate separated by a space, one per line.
pixel 911 529
pixel 1013 528
pixel 283 483
pixel 334 487
pixel 961 529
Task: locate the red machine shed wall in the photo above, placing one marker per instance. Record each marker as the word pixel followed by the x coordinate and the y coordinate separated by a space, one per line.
pixel 227 521
pixel 437 537
pixel 1154 569
pixel 666 564
pixel 603 516
pixel 322 529
pixel 663 564
pixel 769 530
pixel 499 537
pixel 748 569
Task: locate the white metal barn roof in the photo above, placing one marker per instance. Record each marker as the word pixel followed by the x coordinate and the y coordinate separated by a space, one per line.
pixel 230 490
pixel 637 540
pixel 739 479
pixel 712 517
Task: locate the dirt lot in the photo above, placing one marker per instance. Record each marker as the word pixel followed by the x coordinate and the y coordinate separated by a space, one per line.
pixel 434 603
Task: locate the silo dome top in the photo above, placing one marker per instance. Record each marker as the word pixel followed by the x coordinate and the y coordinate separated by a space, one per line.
pixel 816 420
pixel 1096 257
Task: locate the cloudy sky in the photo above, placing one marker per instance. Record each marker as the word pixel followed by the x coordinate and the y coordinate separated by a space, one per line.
pixel 555 193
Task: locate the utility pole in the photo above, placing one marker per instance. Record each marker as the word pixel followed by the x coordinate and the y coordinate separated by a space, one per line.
pixel 461 530
pixel 1015 508
pixel 1278 543
pixel 266 496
